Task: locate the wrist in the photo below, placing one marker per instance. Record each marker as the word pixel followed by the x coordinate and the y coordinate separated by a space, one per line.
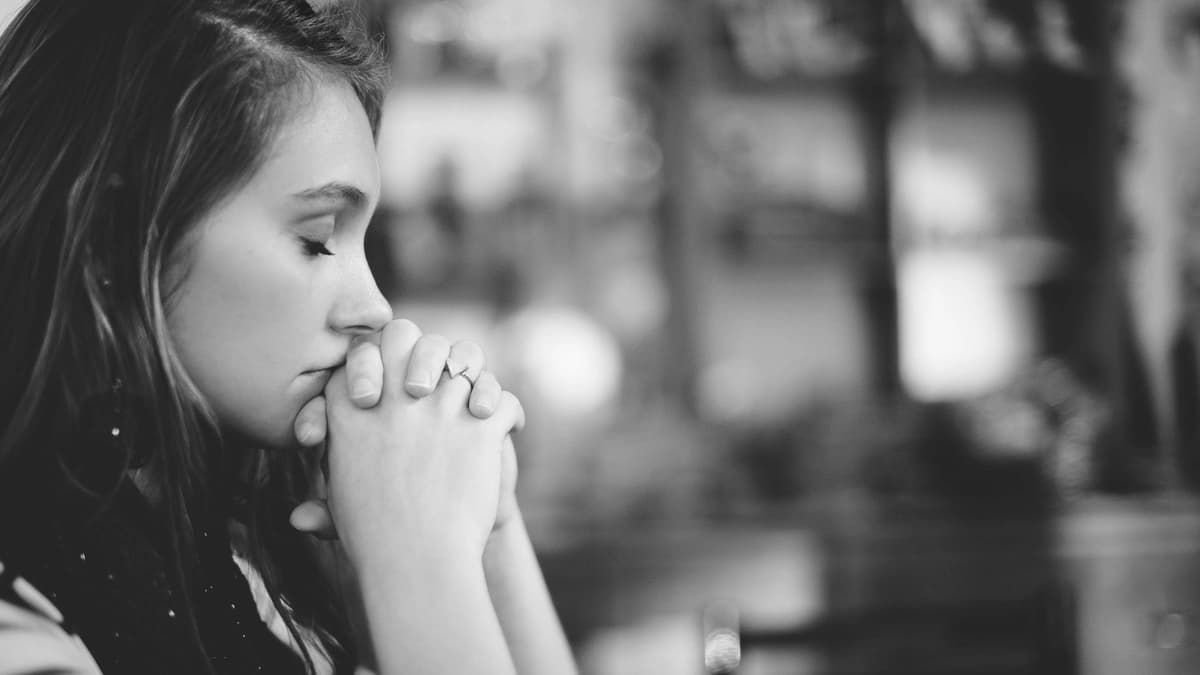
pixel 415 558
pixel 387 547
pixel 503 541
pixel 432 614
pixel 508 511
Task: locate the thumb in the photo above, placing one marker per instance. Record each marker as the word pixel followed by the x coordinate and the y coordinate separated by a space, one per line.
pixel 313 517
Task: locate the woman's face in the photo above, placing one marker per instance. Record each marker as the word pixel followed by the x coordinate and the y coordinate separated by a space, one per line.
pixel 275 283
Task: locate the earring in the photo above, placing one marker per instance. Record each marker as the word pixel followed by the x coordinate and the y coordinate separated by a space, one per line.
pixel 114 421
pixel 118 407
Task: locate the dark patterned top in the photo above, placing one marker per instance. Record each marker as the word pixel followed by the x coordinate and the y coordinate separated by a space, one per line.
pixel 103 577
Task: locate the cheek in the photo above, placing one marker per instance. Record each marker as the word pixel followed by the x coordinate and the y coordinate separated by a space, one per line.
pixel 229 305
pixel 240 321
pixel 251 282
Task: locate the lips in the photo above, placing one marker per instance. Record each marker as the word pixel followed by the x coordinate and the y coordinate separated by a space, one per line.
pixel 328 369
pixel 324 373
pixel 312 382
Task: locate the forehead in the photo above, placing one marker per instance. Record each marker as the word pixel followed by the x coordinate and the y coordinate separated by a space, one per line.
pixel 327 140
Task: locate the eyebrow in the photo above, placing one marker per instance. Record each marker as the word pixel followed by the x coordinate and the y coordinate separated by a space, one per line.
pixel 334 192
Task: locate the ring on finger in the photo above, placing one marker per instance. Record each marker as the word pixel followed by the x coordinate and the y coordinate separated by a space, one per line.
pixel 455 369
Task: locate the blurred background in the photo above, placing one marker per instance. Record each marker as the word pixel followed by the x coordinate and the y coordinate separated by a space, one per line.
pixel 856 336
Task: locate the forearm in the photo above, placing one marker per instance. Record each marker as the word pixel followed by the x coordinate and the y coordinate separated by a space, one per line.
pixel 522 602
pixel 433 618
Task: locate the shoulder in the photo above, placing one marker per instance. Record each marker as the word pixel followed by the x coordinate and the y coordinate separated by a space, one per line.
pixel 32 638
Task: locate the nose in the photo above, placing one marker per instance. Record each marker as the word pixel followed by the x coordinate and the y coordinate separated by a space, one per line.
pixel 360 308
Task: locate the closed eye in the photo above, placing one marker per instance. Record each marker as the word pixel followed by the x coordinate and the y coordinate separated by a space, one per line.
pixel 314 248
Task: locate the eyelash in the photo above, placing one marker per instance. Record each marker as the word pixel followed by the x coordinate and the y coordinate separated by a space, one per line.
pixel 315 248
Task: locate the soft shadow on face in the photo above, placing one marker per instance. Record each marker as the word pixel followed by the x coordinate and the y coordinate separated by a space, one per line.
pixel 276 282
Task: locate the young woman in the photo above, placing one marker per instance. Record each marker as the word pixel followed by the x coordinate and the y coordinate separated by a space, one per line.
pixel 193 343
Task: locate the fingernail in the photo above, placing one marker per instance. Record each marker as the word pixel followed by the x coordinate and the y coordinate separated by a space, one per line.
pixel 362 389
pixel 307 434
pixel 420 382
pixel 486 404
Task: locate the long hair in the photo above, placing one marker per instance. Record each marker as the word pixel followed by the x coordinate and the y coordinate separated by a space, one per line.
pixel 123 122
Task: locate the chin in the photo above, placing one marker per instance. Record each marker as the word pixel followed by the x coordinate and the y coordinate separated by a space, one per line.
pixel 283 439
pixel 279 436
pixel 261 419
